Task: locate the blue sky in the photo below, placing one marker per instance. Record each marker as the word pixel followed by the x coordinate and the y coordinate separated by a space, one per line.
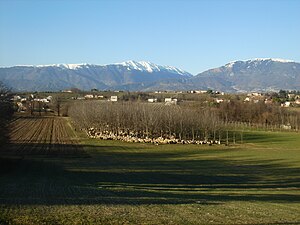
pixel 193 35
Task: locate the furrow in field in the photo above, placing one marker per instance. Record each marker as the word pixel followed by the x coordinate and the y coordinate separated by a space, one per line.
pixel 42 136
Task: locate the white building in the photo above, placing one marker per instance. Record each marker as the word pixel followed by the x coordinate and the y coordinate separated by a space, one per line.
pixel 170 101
pixel 113 98
pixel 89 96
pixel 152 100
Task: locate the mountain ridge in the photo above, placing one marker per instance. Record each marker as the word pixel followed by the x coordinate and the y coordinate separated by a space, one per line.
pixel 131 64
pixel 259 74
pixel 87 76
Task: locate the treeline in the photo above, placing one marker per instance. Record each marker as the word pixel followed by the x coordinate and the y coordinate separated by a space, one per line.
pixel 6 112
pixel 145 120
pixel 259 114
pixel 180 122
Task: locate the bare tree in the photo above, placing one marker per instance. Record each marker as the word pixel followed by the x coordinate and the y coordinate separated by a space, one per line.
pixel 56 101
pixel 6 112
pixel 147 120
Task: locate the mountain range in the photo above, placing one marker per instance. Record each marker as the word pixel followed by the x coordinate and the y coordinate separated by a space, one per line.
pixel 252 75
pixel 238 76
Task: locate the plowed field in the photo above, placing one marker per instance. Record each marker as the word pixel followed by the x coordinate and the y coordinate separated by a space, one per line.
pixel 42 136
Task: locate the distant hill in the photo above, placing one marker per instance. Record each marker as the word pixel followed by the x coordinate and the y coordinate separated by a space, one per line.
pixel 252 75
pixel 128 75
pixel 238 76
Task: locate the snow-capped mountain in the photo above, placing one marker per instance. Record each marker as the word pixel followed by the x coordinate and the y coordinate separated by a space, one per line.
pixel 63 66
pixel 130 75
pixel 151 67
pixel 129 65
pixel 257 61
pixel 261 74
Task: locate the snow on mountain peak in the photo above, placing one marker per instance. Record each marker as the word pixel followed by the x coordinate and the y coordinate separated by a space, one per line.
pixel 65 66
pixel 230 64
pixel 73 66
pixel 142 66
pixel 258 60
pixel 150 67
pixel 272 59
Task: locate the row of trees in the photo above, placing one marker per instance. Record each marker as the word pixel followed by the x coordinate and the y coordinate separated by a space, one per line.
pixel 183 122
pixel 148 120
pixel 258 113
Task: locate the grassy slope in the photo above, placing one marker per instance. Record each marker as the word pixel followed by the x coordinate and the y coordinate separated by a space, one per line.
pixel 123 183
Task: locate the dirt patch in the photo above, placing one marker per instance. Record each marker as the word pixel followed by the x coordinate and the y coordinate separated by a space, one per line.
pixel 42 136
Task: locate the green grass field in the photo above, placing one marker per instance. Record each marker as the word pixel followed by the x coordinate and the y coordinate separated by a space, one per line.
pixel 257 182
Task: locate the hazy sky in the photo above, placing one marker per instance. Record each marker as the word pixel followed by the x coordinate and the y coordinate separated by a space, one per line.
pixel 193 35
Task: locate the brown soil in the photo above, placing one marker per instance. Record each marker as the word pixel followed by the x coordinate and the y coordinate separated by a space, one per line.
pixel 42 136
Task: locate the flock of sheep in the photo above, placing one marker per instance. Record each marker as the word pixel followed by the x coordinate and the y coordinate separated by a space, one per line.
pixel 108 135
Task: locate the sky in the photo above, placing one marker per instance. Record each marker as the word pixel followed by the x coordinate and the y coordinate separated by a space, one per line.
pixel 194 35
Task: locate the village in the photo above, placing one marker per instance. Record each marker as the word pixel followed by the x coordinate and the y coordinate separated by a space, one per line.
pixel 49 102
